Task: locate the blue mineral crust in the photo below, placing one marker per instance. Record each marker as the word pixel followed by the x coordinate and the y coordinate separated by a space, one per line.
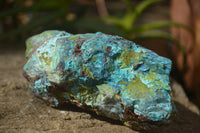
pixel 108 74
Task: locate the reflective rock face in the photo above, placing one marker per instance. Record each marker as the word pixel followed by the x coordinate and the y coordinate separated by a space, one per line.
pixel 107 74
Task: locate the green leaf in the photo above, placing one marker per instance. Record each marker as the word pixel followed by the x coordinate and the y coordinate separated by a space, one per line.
pixel 126 22
pixel 163 24
pixel 138 10
pixel 112 20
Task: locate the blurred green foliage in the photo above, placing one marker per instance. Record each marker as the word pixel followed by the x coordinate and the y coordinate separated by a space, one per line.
pixel 72 16
pixel 145 31
pixel 39 13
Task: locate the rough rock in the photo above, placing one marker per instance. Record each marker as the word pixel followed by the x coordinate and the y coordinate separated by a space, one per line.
pixel 107 74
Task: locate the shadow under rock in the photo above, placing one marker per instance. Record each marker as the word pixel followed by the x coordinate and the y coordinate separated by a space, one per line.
pixel 73 107
pixel 184 122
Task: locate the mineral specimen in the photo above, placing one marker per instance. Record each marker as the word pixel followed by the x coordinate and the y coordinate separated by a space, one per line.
pixel 107 74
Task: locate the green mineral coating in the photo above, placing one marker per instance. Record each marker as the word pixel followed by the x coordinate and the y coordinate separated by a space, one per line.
pixel 108 74
pixel 137 89
pixel 129 57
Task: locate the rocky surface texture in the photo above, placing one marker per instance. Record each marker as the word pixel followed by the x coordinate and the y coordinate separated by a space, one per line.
pixel 107 74
pixel 21 111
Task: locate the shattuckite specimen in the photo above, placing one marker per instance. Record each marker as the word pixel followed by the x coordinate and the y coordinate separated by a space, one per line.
pixel 107 74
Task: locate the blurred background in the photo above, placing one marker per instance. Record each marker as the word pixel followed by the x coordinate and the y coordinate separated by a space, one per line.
pixel 168 27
